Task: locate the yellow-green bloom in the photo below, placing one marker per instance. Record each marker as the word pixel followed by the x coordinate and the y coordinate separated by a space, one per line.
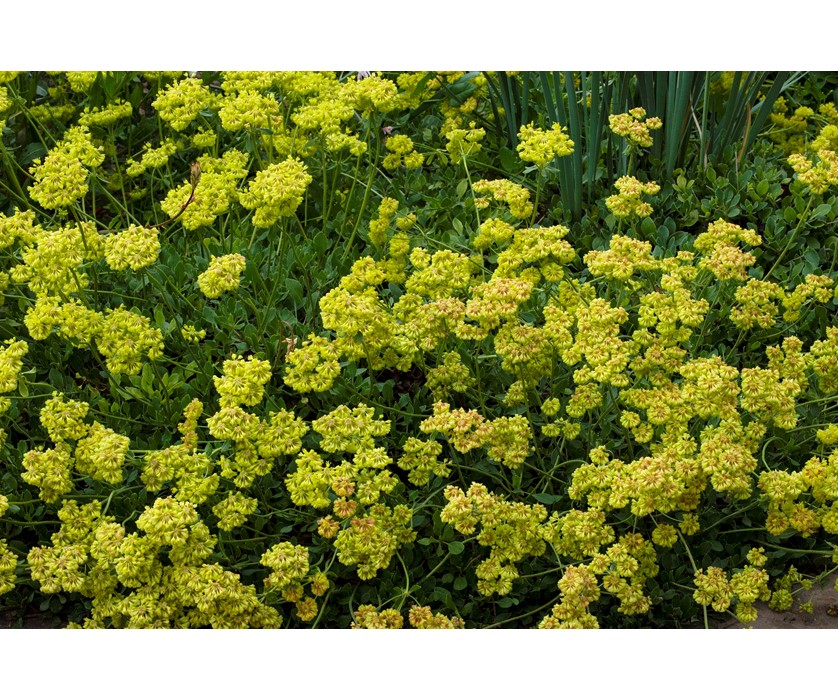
pixel 276 191
pixel 540 147
pixel 222 275
pixel 136 247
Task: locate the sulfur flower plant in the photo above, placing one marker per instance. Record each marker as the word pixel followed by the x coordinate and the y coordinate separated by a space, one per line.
pixel 324 349
pixel 222 275
pixel 540 147
pixel 276 191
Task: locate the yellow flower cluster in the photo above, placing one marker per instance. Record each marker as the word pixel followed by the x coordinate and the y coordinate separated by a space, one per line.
pixel 52 265
pixel 818 287
pixel 288 563
pixel 367 617
pixel 818 174
pixel 344 430
pixel 828 435
pixel 634 127
pixel 516 196
pixel 257 442
pixel 20 226
pixel 624 256
pixel 401 153
pixel 214 193
pixel 419 460
pixel 152 157
pixel 373 94
pixel 122 336
pixel 81 80
pixel 222 275
pixel 99 451
pixel 827 139
pixel 247 109
pixel 354 310
pixel 379 226
pixel 276 191
pixel 243 381
pixel 791 129
pixel 755 304
pixel 823 359
pixel 11 364
pixel 452 376
pixel 579 588
pixel 67 565
pixel 313 366
pixel 290 570
pixel 722 256
pixel 136 247
pixel 669 480
pixel 493 232
pixel 125 337
pixel 819 481
pixel 422 618
pixel 8 564
pixel 624 568
pixel 540 147
pixel 49 470
pixel 628 203
pixel 544 247
pixel 505 439
pixel 107 115
pixel 512 531
pixel 192 471
pixel 101 454
pixel 782 598
pixel 61 178
pixel 232 512
pixel 93 555
pixel 350 430
pixel 714 588
pixel 463 143
pixel 5 105
pixel 371 541
pixel 182 102
pixel 191 334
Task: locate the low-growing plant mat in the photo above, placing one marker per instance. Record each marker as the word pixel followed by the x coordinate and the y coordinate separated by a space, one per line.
pixel 429 350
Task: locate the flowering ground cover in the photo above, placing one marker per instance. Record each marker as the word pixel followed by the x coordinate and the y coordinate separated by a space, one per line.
pixel 429 350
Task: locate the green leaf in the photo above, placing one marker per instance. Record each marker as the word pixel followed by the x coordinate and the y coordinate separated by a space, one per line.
pixel 294 290
pixel 546 498
pixel 812 258
pixel 648 228
pixel 462 186
pixel 456 547
pixel 159 318
pixel 460 583
pixel 508 160
pixel 822 210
